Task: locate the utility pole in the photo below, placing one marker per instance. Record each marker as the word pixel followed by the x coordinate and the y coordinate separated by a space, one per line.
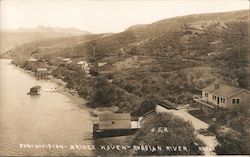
pixel 94 55
pixel 248 47
pixel 94 51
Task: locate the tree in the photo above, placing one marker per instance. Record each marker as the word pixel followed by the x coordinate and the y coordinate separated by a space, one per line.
pixel 104 93
pixel 179 133
pixel 147 105
pixel 232 143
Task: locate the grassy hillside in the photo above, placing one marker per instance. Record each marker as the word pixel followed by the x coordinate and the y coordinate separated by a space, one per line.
pixel 169 59
pixel 63 46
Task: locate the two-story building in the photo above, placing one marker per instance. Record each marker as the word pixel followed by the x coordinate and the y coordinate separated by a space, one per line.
pixel 226 96
pixel 41 72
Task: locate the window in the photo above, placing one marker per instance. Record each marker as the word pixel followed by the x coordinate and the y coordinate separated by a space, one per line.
pixel 206 94
pixel 233 101
pixel 223 100
pixel 213 97
pixel 237 101
pixel 113 122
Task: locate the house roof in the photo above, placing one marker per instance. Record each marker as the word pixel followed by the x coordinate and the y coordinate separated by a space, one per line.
pixel 115 116
pixel 32 60
pixel 36 87
pixel 81 62
pixel 102 64
pixel 209 88
pixel 66 59
pixel 223 90
pixel 41 69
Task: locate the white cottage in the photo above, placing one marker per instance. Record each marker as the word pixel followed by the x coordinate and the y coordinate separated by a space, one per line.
pixel 226 96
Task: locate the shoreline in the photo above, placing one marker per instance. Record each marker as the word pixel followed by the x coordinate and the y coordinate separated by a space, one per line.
pixel 62 89
pixel 79 102
pixel 73 95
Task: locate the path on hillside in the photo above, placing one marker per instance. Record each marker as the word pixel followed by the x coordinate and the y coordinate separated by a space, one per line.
pixel 209 141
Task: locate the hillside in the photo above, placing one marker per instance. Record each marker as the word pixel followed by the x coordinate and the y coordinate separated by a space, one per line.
pixel 17 37
pixel 50 48
pixel 169 59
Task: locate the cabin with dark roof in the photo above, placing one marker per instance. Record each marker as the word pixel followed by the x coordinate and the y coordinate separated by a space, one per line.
pixel 36 90
pixel 225 96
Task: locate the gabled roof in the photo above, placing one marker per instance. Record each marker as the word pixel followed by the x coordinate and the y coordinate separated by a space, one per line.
pixel 102 64
pixel 81 62
pixel 223 90
pixel 115 116
pixel 209 88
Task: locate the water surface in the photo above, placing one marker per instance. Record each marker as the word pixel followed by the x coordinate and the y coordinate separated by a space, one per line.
pixel 50 118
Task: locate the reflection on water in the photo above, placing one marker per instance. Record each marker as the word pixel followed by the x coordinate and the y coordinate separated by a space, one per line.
pixel 49 118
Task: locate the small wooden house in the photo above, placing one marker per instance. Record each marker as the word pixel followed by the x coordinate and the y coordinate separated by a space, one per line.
pixel 84 65
pixel 41 72
pixel 225 96
pixel 115 124
pixel 101 64
pixel 66 61
pixel 114 121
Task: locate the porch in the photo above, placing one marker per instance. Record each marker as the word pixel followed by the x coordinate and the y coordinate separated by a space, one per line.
pixel 204 105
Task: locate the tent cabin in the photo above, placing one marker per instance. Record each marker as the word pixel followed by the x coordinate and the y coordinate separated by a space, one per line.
pixel 36 90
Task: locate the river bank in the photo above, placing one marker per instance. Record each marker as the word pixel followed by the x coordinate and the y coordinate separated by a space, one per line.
pixel 57 116
pixel 75 98
pixel 52 118
pixel 73 95
pixel 62 89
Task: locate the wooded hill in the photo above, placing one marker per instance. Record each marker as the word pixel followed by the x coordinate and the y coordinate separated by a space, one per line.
pixel 169 59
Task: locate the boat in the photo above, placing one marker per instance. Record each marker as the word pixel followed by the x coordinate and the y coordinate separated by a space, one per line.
pixel 36 90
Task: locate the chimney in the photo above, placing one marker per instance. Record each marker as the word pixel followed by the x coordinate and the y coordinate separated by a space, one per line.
pixel 216 85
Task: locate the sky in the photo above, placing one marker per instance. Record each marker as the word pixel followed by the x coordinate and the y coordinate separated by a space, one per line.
pixel 100 16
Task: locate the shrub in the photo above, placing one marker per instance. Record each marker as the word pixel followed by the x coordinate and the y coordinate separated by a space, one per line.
pixel 147 105
pixel 232 143
pixel 93 71
pixel 180 133
pixel 104 94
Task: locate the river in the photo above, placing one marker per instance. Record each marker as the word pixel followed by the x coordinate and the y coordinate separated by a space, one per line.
pixel 50 118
